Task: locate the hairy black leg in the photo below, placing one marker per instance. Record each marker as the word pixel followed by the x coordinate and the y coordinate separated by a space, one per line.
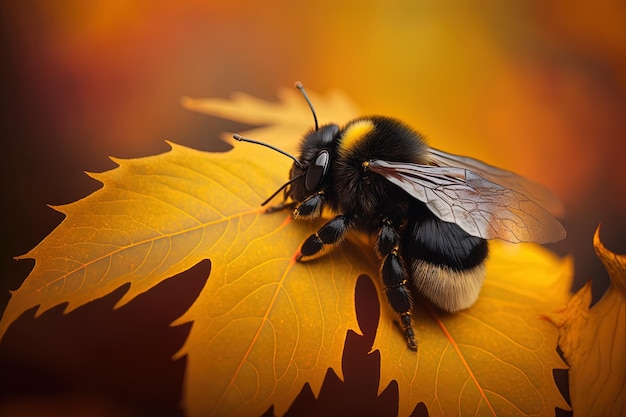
pixel 311 207
pixel 394 278
pixel 331 233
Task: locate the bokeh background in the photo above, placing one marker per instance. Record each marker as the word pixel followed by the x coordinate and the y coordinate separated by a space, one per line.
pixel 537 87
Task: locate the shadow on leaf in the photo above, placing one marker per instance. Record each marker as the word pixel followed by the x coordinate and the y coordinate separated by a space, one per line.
pixel 99 361
pixel 357 394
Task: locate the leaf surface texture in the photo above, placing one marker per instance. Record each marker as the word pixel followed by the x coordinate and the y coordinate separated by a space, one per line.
pixel 264 325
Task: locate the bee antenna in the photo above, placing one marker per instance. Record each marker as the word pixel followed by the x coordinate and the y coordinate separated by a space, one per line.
pixel 242 139
pixel 300 87
pixel 294 179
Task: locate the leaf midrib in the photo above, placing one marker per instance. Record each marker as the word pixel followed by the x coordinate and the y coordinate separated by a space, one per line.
pixel 139 243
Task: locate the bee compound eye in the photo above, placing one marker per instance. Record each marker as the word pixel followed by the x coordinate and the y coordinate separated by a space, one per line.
pixel 317 170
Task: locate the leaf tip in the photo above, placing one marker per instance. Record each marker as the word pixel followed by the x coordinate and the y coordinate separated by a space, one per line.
pixel 118 161
pixel 59 208
pixel 21 257
pixel 189 103
pixel 97 175
pixel 597 243
pixel 172 145
pixel 613 263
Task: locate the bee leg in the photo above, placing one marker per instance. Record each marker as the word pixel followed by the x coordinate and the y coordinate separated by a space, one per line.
pixel 331 233
pixel 311 207
pixel 394 278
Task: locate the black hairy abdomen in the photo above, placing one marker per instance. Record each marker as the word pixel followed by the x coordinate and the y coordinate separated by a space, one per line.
pixel 441 243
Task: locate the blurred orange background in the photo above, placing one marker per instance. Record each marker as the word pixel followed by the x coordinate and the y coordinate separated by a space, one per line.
pixel 536 87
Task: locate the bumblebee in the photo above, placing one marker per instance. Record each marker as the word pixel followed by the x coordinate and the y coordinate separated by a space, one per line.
pixel 430 212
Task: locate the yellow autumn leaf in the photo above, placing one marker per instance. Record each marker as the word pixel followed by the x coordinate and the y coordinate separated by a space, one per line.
pixel 261 321
pixel 265 325
pixel 285 121
pixel 493 359
pixel 523 282
pixel 593 341
pixel 153 218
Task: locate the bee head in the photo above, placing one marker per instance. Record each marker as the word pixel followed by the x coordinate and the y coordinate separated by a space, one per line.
pixel 316 154
pixel 310 172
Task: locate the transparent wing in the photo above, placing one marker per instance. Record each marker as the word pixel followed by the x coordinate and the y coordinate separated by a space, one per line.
pixel 536 192
pixel 479 206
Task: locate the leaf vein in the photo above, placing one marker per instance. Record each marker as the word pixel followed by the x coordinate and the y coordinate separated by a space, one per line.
pixel 120 249
pixel 498 359
pixel 230 173
pixel 461 356
pixel 264 320
pixel 497 331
